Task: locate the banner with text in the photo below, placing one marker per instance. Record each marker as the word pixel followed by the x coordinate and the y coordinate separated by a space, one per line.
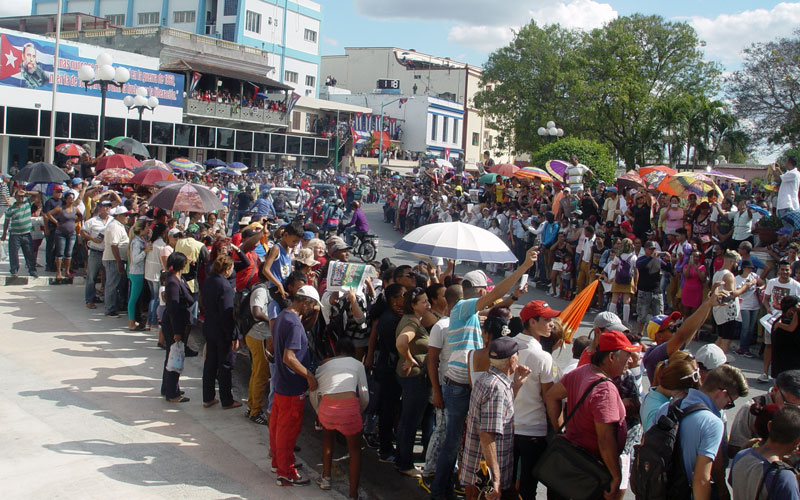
pixel 343 276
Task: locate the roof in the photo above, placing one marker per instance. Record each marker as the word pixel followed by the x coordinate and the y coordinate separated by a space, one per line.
pixel 189 65
pixel 324 105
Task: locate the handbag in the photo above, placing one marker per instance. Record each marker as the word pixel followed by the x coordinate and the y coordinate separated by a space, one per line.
pixel 569 470
pixel 176 357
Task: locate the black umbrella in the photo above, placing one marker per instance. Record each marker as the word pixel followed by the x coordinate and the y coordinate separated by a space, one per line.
pixel 40 173
pixel 130 147
pixel 186 197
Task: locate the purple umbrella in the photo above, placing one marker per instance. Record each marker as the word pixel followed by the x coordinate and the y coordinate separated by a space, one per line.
pixel 557 169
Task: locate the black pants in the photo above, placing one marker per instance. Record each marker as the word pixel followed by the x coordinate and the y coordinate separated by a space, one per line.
pixel 527 451
pixel 50 251
pixel 388 411
pixel 169 380
pixel 217 368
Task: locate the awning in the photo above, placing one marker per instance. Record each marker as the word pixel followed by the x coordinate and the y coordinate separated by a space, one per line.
pixel 402 170
pixel 333 106
pixel 182 65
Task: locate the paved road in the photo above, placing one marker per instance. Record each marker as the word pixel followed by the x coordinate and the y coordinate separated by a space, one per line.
pixel 82 414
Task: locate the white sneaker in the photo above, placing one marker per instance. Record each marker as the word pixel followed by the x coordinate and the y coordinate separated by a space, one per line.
pixel 324 483
pixel 764 378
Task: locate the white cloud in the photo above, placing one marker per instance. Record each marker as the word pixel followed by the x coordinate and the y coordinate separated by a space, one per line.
pixel 727 34
pixel 480 38
pixel 471 12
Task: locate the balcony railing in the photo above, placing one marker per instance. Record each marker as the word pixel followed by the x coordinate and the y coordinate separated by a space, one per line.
pixel 232 112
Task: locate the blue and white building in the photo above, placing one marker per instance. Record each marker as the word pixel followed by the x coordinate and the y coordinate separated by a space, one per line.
pixel 290 30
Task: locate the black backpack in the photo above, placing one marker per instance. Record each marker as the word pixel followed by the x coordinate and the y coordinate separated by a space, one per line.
pixel 242 312
pixel 658 472
pixel 775 467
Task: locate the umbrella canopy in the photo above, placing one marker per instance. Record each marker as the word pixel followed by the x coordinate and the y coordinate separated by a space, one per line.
pixel 40 173
pixel 152 163
pixel 444 163
pixel 488 178
pixel 213 162
pixel 572 316
pixel 237 165
pixel 533 173
pixel 117 161
pixel 115 176
pixel 504 169
pixel 685 183
pixel 755 208
pixel 723 175
pixel 186 197
pixel 183 165
pixel 631 180
pixel 655 175
pixel 129 146
pixel 225 170
pixel 150 176
pixel 557 169
pixel 456 240
pixel 70 149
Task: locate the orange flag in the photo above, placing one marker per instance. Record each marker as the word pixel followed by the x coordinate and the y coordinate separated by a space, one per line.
pixel 572 315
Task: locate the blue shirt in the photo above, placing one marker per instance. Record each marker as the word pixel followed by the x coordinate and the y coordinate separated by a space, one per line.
pixel 263 208
pixel 748 468
pixel 463 335
pixel 700 432
pixel 549 233
pixel 653 400
pixel 288 333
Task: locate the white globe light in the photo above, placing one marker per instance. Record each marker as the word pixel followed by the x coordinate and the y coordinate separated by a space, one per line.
pixel 105 72
pixel 105 59
pixel 560 132
pixel 142 91
pixel 122 75
pixel 551 124
pixel 139 101
pixel 152 103
pixel 128 101
pixel 552 131
pixel 708 168
pixel 542 131
pixel 86 73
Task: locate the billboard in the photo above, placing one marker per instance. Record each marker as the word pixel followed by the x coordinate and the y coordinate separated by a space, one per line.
pixel 27 62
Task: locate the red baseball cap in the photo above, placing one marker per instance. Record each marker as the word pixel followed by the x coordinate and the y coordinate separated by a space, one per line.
pixel 537 309
pixel 613 340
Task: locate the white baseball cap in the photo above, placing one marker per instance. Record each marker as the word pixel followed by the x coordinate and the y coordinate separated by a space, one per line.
pixel 309 292
pixel 710 356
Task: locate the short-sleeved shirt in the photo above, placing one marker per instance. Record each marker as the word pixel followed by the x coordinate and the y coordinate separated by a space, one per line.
pixel 95 227
pixel 418 347
pixel 652 357
pixel 438 339
pixel 115 235
pixel 530 414
pixel 463 336
pixel 288 333
pixel 651 403
pixel 744 423
pixel 777 291
pixel 575 175
pixel 491 410
pixel 701 431
pixel 603 405
pixel 746 474
pixel 19 217
pixel 259 298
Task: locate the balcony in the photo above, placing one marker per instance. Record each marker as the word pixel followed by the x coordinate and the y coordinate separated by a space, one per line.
pixel 222 111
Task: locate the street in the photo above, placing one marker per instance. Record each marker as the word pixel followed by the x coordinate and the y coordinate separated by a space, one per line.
pixel 83 416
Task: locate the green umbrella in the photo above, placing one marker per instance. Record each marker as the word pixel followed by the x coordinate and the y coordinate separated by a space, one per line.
pixel 489 178
pixel 129 146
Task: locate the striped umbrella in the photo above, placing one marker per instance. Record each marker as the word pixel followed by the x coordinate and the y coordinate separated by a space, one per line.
pixel 723 175
pixel 456 240
pixel 183 165
pixel 117 161
pixel 115 175
pixel 70 149
pixel 685 183
pixel 186 197
pixel 533 173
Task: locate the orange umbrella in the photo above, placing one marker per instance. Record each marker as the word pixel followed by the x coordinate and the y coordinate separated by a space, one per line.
pixel 572 315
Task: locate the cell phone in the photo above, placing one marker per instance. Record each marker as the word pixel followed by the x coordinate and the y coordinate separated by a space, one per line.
pixel 524 280
pixel 727 299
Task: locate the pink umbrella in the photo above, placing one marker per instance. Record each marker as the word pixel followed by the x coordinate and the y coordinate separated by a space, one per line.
pixel 504 169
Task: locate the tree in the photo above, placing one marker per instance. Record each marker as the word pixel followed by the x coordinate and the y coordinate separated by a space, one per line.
pixel 591 153
pixel 766 91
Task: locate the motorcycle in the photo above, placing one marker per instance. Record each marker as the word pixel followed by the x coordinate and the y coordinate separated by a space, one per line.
pixel 365 245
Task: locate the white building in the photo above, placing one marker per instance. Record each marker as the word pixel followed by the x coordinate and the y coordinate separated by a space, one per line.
pixel 412 73
pixel 288 29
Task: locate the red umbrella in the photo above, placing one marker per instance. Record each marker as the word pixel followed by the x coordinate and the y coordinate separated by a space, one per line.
pixel 117 161
pixel 504 169
pixel 150 176
pixel 70 149
pixel 631 180
pixel 115 176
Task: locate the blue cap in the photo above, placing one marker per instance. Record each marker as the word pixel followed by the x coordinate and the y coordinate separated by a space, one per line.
pixel 612 189
pixel 76 181
pixel 785 231
pixel 308 235
pixel 5 176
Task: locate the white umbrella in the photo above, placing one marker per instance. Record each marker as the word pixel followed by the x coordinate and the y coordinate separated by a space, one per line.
pixel 444 163
pixel 456 240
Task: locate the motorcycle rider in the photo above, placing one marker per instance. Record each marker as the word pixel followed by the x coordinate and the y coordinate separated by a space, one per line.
pixel 358 223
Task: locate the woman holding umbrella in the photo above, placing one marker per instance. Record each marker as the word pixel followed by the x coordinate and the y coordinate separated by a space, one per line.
pixel 65 218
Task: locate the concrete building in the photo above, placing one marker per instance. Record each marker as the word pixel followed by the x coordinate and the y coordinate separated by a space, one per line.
pixel 362 70
pixel 288 30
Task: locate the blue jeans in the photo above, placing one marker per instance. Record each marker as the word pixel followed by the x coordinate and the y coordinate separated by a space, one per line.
pixel 15 242
pixel 64 245
pixel 348 234
pixel 113 278
pixel 152 315
pixel 416 403
pixel 456 405
pixel 93 265
pixel 749 319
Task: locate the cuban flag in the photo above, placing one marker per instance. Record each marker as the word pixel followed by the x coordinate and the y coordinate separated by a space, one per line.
pixel 195 80
pixel 223 196
pixel 25 63
pixel 295 97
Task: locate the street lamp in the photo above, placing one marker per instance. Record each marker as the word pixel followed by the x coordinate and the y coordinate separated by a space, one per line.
pixel 550 130
pixel 380 137
pixel 106 75
pixel 140 103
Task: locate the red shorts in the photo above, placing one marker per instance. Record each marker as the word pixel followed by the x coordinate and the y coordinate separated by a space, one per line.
pixel 343 415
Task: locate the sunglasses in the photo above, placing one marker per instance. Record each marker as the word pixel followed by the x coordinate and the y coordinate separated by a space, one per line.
pixel 786 402
pixel 730 404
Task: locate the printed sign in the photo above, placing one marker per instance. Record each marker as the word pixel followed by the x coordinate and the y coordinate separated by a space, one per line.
pixel 343 276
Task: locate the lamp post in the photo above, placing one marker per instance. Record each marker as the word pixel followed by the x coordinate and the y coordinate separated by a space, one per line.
pixel 140 103
pixel 550 130
pixel 106 75
pixel 380 136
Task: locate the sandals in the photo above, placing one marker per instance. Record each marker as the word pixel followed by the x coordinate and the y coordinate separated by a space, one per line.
pixel 209 404
pixel 179 399
pixel 235 404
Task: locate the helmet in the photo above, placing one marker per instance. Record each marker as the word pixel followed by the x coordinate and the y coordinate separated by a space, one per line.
pixel 355 204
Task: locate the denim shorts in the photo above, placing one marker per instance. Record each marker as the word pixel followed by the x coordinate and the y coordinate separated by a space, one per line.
pixel 64 245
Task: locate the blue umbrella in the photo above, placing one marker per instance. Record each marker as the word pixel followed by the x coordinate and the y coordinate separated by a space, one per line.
pixel 226 170
pixel 213 162
pixel 237 165
pixel 756 208
pixel 341 178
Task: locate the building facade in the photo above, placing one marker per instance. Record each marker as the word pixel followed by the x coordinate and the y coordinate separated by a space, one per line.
pixel 289 30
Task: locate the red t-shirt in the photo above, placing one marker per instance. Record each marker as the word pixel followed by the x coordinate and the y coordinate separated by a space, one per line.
pixel 603 405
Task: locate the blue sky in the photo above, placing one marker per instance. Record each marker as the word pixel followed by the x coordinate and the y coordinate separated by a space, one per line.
pixel 468 30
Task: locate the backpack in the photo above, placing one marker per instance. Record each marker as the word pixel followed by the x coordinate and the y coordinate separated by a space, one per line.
pixel 624 274
pixel 657 472
pixel 242 312
pixel 775 467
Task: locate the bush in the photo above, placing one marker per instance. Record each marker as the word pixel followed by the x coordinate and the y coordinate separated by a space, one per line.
pixel 593 154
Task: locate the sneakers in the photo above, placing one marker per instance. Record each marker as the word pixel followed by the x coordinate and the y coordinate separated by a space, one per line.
pixel 764 378
pixel 372 441
pixel 297 467
pixel 745 352
pixel 260 419
pixel 426 481
pixel 387 459
pixel 412 472
pixel 293 481
pixel 324 483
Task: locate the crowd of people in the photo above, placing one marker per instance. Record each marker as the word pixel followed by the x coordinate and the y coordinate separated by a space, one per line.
pixel 421 348
pixel 224 96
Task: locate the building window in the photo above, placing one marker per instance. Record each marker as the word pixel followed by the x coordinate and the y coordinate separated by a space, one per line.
pixel 310 36
pixel 252 21
pixel 184 16
pixel 475 138
pixel 116 19
pixel 231 7
pixel 445 123
pixel 290 76
pixel 455 130
pixel 310 80
pixel 229 32
pixel 434 121
pixel 148 18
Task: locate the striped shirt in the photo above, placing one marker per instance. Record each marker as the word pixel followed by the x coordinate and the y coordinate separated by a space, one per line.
pixel 463 336
pixel 19 217
pixel 4 194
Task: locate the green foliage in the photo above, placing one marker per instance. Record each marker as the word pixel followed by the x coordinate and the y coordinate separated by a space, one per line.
pixel 591 153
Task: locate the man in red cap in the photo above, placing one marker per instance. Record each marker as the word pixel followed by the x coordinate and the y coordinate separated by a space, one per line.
pixel 598 424
pixel 530 413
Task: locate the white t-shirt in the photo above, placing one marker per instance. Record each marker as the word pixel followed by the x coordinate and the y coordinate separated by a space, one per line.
pixel 438 339
pixel 787 193
pixel 575 175
pixel 95 226
pixel 730 311
pixel 259 298
pixel 777 290
pixel 343 375
pixel 610 271
pixel 116 234
pixel 585 247
pixel 530 414
pixel 748 301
